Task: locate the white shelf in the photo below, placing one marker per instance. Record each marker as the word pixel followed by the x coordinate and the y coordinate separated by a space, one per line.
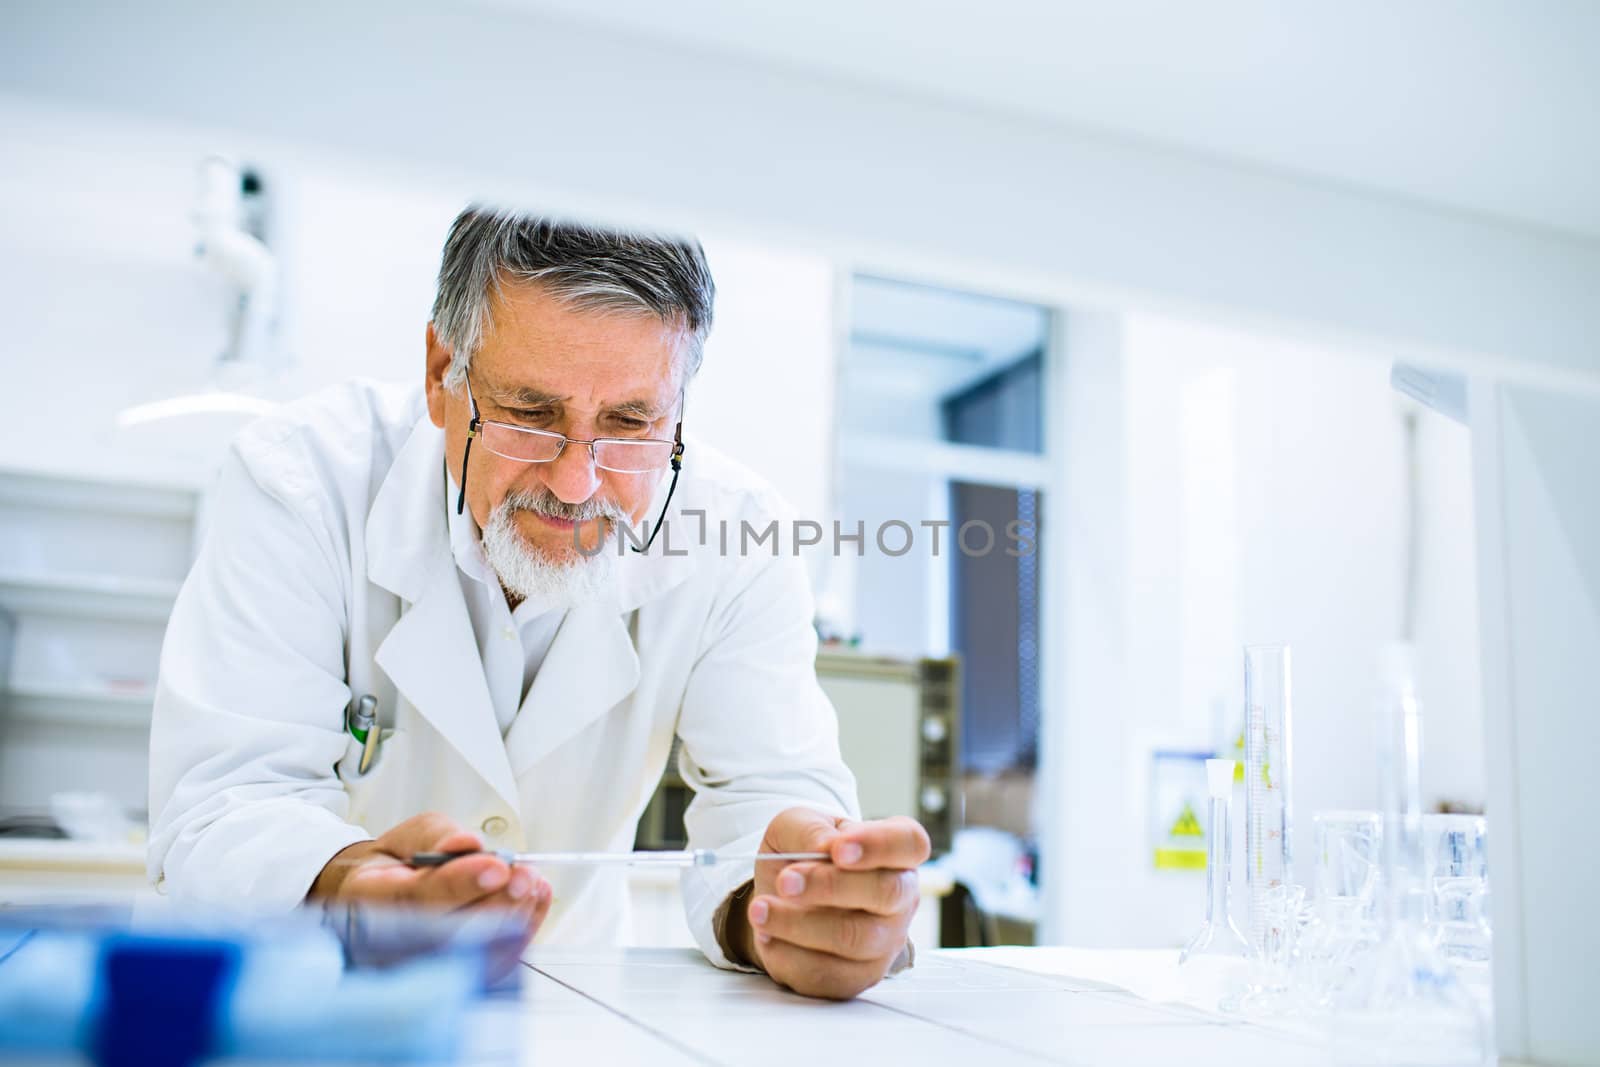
pixel 37 489
pixel 92 595
pixel 89 703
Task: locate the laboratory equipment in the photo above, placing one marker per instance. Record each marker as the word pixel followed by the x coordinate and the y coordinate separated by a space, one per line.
pixel 1404 1004
pixel 1341 927
pixel 698 857
pixel 1267 774
pixel 1347 845
pixel 1218 936
pixel 1454 849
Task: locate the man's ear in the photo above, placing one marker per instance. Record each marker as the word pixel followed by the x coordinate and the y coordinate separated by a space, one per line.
pixel 433 381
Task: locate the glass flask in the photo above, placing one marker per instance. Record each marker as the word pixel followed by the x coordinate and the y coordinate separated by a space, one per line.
pixel 1218 936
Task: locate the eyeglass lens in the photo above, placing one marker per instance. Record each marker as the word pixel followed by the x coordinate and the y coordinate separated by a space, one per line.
pixel 532 446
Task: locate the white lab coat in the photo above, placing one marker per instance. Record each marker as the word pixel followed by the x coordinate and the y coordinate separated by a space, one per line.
pixel 326 573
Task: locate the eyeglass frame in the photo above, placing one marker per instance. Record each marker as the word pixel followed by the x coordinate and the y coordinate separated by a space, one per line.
pixel 475 428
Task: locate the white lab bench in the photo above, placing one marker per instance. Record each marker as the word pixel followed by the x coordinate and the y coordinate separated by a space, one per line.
pixel 33 869
pixel 668 1006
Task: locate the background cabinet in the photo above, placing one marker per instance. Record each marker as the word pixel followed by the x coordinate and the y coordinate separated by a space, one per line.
pixel 88 575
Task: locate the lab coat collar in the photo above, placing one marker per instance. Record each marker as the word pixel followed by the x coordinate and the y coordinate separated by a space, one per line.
pixel 407 535
pixel 431 653
pixel 593 664
pixel 644 576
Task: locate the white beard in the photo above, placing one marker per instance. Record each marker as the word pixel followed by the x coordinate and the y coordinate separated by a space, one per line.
pixel 525 571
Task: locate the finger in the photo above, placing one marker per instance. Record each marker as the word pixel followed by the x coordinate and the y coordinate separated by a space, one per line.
pixel 380 881
pixel 822 885
pixel 544 895
pixel 899 842
pixel 428 832
pixel 462 881
pixel 456 841
pixel 850 935
pixel 520 891
pixel 818 974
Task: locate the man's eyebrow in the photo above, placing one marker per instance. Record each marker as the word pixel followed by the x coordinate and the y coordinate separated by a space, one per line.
pixel 526 396
pixel 641 408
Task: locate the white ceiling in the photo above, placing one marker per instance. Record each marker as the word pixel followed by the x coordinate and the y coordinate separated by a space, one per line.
pixel 1490 106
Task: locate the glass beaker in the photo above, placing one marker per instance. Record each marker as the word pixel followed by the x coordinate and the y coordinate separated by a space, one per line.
pixel 1347 855
pixel 1267 764
pixel 1455 852
pixel 1341 929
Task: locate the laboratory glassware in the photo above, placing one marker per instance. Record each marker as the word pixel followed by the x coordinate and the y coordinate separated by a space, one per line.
pixel 1405 1003
pixel 1267 772
pixel 1454 848
pixel 1218 936
pixel 1341 927
pixel 1347 845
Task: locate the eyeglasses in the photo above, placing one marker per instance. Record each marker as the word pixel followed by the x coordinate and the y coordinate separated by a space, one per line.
pixel 621 455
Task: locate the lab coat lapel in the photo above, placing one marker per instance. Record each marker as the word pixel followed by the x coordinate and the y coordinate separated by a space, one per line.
pixel 431 654
pixel 591 667
pixel 592 664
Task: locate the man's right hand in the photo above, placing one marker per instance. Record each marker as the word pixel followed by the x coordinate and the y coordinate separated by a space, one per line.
pixel 378 872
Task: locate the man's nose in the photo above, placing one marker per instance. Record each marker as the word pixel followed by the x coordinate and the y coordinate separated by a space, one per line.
pixel 572 476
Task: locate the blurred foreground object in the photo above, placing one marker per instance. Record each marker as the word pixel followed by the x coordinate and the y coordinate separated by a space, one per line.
pixel 369 985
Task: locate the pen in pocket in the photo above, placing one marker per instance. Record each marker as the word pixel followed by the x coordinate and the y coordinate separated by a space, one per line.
pixel 363 725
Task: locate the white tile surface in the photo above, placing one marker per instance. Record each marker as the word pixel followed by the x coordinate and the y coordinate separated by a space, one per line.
pixel 669 1006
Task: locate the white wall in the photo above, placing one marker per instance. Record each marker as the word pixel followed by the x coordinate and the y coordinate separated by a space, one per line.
pixel 1261 500
pixel 106 305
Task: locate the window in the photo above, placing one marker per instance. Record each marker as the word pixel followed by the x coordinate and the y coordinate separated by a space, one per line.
pixel 942 429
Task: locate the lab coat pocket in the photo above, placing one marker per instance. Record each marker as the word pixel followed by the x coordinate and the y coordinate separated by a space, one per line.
pixel 350 763
pixel 374 795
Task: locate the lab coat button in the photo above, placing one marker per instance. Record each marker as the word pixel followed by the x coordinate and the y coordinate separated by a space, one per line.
pixel 494 826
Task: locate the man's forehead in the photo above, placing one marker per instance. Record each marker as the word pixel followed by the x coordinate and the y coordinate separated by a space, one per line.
pixel 538 343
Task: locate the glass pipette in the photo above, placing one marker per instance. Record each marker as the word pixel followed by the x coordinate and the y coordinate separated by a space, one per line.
pixel 694 857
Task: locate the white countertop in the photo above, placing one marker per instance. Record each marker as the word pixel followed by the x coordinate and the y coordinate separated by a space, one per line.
pixel 668 1006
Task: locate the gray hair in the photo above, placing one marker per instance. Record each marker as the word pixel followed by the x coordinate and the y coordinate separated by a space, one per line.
pixel 583 266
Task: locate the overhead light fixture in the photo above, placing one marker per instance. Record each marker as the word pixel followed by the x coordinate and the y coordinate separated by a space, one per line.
pixel 230 217
pixel 213 403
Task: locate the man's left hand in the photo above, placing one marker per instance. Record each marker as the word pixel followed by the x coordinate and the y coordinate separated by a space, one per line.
pixel 833 929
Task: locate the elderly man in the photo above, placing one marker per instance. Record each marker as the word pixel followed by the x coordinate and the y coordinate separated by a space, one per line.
pixel 448 559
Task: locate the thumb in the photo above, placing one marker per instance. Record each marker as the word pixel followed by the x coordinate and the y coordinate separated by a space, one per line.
pixel 801 830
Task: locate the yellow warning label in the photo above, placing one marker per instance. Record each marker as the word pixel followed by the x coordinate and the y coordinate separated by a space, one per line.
pixel 1187 825
pixel 1186 859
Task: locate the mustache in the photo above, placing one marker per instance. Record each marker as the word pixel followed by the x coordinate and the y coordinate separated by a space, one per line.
pixel 544 502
